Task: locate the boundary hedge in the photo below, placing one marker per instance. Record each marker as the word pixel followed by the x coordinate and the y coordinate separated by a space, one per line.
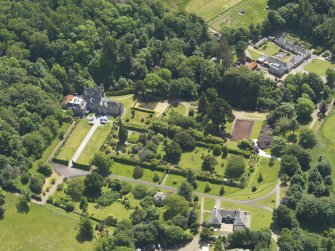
pixel 60 161
pixel 81 166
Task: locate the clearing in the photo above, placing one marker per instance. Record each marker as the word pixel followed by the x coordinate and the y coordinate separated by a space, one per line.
pixel 40 229
pixel 319 66
pixel 242 129
pixel 74 140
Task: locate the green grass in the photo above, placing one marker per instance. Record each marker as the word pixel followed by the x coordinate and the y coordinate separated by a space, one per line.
pixel 39 229
pixel 116 209
pixel 128 170
pixel 95 143
pixel 254 54
pixel 209 204
pixel 139 117
pixel 326 142
pixel 269 201
pixel 74 140
pixel 269 49
pixel 256 129
pixel 270 176
pixel 180 109
pixel 193 160
pixel 209 8
pixel 319 66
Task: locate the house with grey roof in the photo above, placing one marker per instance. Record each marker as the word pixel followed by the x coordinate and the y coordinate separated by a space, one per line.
pixel 238 218
pixel 93 99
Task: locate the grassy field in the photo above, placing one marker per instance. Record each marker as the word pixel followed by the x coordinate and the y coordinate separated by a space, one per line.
pixel 269 49
pixel 319 66
pixel 209 204
pixel 270 175
pixel 209 8
pixel 128 170
pixel 193 160
pixel 269 201
pixel 127 101
pixel 326 142
pixel 256 129
pixel 39 229
pixel 138 117
pixel 254 54
pixel 180 109
pixel 74 140
pixel 95 143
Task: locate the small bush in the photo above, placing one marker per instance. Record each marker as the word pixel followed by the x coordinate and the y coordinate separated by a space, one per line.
pixel 254 189
pixel 140 191
pixel 217 150
pixel 138 172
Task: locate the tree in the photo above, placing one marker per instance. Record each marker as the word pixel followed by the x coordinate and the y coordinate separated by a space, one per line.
pixel 86 231
pixel 83 204
pixel 218 246
pixel 185 140
pixel 176 204
pixel 22 206
pixel 123 133
pixel 222 190
pixel 44 168
pixel 330 74
pixel 220 112
pixel 217 150
pixel 145 234
pixel 207 188
pixel 208 163
pixel 278 146
pixel 173 152
pixel 93 184
pixel 103 162
pixel 324 167
pixel 140 191
pixel 206 234
pixel 304 108
pixel 174 235
pixel 180 221
pixel 235 167
pixel 202 104
pixel 191 178
pixel 186 190
pixel 260 178
pixel 36 184
pixel 75 189
pixel 284 217
pixel 307 138
pixel 2 196
pixel 138 172
pixel 289 165
pixel 138 215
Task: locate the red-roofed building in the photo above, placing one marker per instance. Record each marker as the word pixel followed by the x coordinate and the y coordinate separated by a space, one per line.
pixel 67 99
pixel 252 65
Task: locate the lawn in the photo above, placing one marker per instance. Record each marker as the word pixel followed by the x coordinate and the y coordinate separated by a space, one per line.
pixel 128 170
pixel 269 201
pixel 319 66
pixel 269 49
pixel 180 109
pixel 39 229
pixel 256 129
pixel 138 117
pixel 127 101
pixel 270 176
pixel 193 160
pixel 208 9
pixel 209 204
pixel 326 142
pixel 95 143
pixel 254 54
pixel 74 140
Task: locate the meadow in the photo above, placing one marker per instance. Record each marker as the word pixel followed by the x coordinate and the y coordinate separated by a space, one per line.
pixel 319 67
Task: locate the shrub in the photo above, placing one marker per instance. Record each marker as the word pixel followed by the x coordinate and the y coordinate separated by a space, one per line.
pixel 217 150
pixel 25 178
pixel 235 167
pixel 207 188
pixel 138 172
pixel 140 191
pixel 108 198
pixel 260 178
pixel 208 163
pixel 156 178
pixel 69 206
pixel 245 145
pixel 185 140
pixel 44 168
pixel 36 184
pixel 254 189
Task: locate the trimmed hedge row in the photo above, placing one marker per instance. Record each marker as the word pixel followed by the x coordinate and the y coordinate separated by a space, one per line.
pixel 171 170
pixel 135 127
pixel 81 166
pixel 60 161
pixel 231 150
pixel 125 91
pixel 143 110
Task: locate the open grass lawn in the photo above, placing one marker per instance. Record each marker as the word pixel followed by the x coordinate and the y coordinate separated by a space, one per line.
pixel 269 201
pixel 270 176
pixel 128 170
pixel 209 8
pixel 180 109
pixel 209 204
pixel 127 101
pixel 116 209
pixel 95 143
pixel 254 54
pixel 260 218
pixel 39 229
pixel 193 160
pixel 326 142
pixel 139 117
pixel 74 140
pixel 269 48
pixel 319 66
pixel 255 13
pixel 256 129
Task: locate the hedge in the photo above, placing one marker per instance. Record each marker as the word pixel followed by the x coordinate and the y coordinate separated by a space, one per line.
pixel 135 127
pixel 171 170
pixel 60 161
pixel 143 110
pixel 231 150
pixel 129 90
pixel 81 166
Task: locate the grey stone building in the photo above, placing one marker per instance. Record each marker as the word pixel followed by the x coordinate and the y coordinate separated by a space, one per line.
pixel 238 218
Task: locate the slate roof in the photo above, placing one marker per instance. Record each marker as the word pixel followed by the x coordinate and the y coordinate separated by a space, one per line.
pixel 239 218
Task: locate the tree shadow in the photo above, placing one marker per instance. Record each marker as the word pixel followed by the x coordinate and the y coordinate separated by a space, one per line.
pixel 83 238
